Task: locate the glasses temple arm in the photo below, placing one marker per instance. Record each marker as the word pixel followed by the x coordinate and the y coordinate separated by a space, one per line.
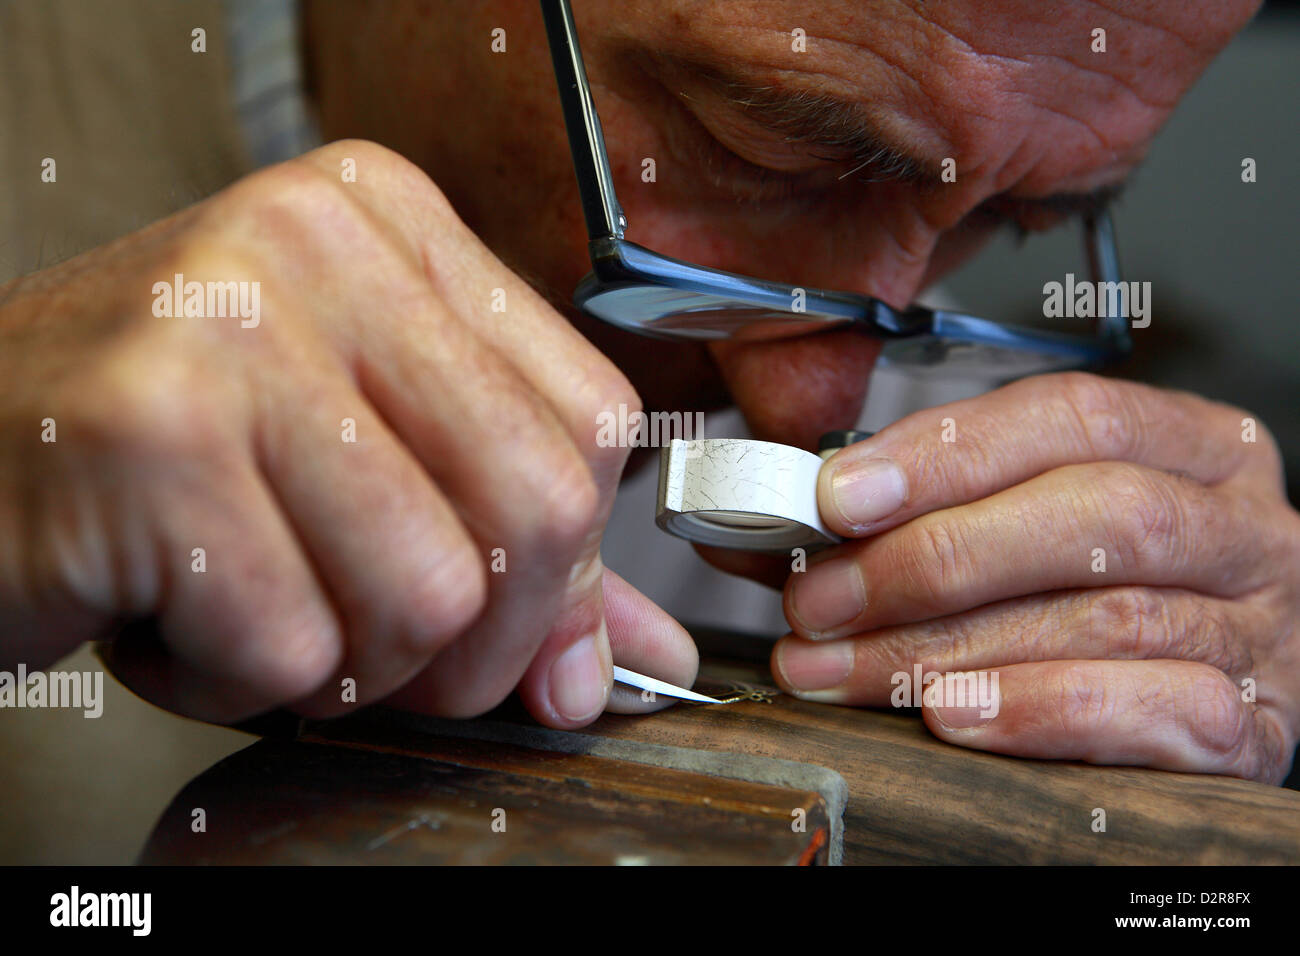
pixel 1103 265
pixel 600 206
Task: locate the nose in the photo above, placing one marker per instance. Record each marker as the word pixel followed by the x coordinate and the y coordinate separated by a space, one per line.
pixel 792 390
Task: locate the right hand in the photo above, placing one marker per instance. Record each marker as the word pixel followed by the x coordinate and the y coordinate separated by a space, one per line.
pixel 325 559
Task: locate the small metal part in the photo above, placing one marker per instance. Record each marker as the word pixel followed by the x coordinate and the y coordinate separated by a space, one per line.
pixel 747 692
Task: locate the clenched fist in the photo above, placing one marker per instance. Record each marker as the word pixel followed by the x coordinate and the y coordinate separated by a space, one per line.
pixel 383 470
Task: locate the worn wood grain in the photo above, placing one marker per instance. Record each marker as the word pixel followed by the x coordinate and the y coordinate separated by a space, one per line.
pixel 718 784
pixel 915 799
pixel 366 797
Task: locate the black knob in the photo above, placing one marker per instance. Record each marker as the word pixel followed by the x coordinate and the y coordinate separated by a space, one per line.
pixel 841 438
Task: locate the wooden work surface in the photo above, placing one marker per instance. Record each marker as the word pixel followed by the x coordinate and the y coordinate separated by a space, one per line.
pixel 703 784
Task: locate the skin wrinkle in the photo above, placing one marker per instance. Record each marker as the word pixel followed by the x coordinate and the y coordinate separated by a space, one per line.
pixel 488 131
pixel 1096 135
pixel 1120 13
pixel 1033 626
pixel 1159 106
pixel 897 166
pixel 1099 69
pixel 782 70
pixel 901 245
pixel 1030 59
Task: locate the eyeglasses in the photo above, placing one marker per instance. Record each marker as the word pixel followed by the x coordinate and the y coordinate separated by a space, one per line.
pixel 653 294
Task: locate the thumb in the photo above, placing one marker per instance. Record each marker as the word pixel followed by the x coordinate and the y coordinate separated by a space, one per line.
pixel 648 640
pixel 627 628
pixel 569 680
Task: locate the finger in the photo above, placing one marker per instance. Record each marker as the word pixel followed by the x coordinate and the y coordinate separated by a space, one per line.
pixel 1123 623
pixel 539 496
pixel 1168 715
pixel 967 450
pixel 137 656
pixel 570 677
pixel 501 309
pixel 647 640
pixel 568 682
pixel 1077 526
pixel 241 611
pixel 492 446
pixel 406 577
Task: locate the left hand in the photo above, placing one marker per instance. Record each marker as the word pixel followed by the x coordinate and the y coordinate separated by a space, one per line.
pixel 981 553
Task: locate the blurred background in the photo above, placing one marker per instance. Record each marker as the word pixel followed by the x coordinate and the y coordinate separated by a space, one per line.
pixel 1220 255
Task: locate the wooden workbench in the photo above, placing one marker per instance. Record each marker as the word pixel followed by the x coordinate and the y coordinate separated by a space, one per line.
pixel 782 781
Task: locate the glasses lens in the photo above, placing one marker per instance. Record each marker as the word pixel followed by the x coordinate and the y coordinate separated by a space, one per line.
pixel 929 355
pixel 682 314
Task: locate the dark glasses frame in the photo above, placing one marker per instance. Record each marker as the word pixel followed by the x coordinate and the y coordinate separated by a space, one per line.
pixel 656 295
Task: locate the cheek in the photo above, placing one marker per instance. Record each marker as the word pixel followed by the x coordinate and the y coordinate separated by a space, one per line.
pixel 955 247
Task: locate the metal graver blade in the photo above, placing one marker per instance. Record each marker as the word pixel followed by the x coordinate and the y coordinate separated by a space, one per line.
pixel 633 679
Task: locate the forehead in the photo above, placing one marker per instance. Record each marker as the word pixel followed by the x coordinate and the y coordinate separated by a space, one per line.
pixel 1021 90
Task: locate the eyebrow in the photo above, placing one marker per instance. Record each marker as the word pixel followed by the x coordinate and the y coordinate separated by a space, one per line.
pixel 814 120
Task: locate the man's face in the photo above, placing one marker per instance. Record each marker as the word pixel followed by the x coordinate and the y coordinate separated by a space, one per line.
pixel 812 159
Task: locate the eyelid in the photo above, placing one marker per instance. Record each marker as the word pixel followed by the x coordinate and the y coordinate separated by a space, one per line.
pixel 756 181
pixel 749 140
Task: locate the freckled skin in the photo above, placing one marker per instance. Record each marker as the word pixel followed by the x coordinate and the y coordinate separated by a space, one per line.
pixel 1009 88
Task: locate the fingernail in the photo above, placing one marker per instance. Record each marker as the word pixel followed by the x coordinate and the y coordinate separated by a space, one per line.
pixel 815 671
pixel 828 596
pixel 956 710
pixel 578 686
pixel 866 491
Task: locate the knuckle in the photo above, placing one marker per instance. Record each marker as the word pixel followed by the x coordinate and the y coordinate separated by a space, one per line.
pixel 1084 703
pixel 1143 623
pixel 448 601
pixel 570 506
pixel 563 501
pixel 1265 453
pixel 378 163
pixel 354 148
pixel 1107 417
pixel 607 395
pixel 1133 622
pixel 149 406
pixel 611 391
pixel 1148 517
pixel 306 652
pixel 935 562
pixel 1215 640
pixel 1215 717
pixel 295 184
pixel 294 203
